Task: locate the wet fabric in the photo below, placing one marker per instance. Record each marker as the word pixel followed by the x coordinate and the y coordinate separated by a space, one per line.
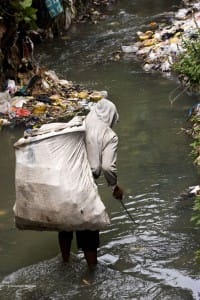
pixel 101 140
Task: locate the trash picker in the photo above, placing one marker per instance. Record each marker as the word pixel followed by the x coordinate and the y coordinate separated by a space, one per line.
pixel 127 212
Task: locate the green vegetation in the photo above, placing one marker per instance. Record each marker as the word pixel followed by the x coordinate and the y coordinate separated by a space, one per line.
pixel 196 155
pixel 196 136
pixel 25 12
pixel 196 208
pixel 19 11
pixel 196 219
pixel 188 62
pixel 187 67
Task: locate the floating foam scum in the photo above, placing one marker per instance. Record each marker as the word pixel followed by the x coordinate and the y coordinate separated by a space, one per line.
pixel 52 280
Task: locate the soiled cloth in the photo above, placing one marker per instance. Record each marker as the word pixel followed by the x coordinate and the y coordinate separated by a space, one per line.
pixel 102 141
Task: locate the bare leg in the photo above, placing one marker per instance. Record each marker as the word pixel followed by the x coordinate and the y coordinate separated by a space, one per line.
pixel 65 240
pixel 88 241
pixel 91 257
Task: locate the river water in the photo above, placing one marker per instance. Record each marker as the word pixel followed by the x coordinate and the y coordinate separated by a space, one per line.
pixel 153 258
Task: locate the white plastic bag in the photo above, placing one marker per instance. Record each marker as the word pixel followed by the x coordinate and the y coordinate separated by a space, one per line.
pixel 55 189
pixel 5 102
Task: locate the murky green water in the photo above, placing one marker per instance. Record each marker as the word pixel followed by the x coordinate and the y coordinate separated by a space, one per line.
pixel 154 259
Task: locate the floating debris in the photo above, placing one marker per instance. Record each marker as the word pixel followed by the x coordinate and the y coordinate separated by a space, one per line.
pixel 194 110
pixel 190 192
pixel 86 282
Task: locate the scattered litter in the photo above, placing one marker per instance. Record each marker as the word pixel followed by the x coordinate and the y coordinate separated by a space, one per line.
pixel 86 282
pixel 159 45
pixel 44 98
pixel 4 122
pixel 54 7
pixel 194 190
pixel 191 191
pixel 10 86
pixel 21 112
pixel 5 102
pixel 194 110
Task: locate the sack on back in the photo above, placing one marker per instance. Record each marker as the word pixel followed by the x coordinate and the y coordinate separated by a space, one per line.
pixel 55 189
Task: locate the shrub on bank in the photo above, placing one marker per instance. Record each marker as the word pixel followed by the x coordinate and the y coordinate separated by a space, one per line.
pixel 188 62
pixel 187 67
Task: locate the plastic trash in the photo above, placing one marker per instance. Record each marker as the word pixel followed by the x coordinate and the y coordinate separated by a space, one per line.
pixel 68 18
pixel 96 96
pixel 10 86
pixel 21 112
pixel 40 108
pixel 4 122
pixel 130 49
pixel 19 101
pixel 54 7
pixel 5 102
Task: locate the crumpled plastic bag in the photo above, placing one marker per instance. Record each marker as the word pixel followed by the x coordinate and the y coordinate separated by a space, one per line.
pixel 55 189
pixel 54 7
pixel 5 102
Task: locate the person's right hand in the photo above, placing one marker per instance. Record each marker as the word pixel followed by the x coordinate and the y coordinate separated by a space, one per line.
pixel 118 193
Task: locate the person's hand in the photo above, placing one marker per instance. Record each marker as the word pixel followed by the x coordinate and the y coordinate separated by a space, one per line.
pixel 118 193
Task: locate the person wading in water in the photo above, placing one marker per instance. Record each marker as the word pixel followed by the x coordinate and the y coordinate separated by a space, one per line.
pixel 101 145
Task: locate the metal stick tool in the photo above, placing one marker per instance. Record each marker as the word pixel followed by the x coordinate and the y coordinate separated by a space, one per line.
pixel 127 212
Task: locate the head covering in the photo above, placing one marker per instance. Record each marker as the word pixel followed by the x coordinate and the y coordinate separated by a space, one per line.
pixel 106 111
pixel 101 140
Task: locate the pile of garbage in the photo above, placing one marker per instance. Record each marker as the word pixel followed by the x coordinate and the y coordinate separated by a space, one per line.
pixel 44 99
pixel 159 46
pixel 33 97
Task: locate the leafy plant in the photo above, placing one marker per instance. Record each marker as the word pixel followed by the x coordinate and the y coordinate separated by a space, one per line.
pixel 196 217
pixel 197 256
pixel 25 12
pixel 188 62
pixel 195 145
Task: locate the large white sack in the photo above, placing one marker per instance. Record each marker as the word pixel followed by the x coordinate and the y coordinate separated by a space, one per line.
pixel 55 189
